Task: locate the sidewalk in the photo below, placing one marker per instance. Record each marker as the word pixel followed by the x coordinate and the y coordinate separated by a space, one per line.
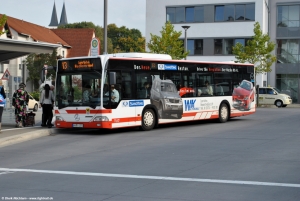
pixel 12 135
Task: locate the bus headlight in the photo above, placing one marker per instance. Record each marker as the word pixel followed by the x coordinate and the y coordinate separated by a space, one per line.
pixel 101 118
pixel 246 98
pixel 59 118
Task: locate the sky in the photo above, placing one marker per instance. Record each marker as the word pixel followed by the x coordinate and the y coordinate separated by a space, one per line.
pixel 129 13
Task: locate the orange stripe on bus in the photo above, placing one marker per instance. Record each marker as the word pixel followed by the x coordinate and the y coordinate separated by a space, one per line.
pixel 190 114
pixel 127 119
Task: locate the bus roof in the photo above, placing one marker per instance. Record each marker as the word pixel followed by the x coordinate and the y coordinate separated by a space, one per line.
pixel 141 55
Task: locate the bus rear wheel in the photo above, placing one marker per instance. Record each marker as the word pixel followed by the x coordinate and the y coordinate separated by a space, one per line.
pixel 223 113
pixel 148 120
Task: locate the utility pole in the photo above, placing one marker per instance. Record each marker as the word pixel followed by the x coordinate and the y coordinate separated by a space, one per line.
pixel 105 27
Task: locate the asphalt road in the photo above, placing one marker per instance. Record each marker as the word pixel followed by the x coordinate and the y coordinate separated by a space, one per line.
pixel 249 158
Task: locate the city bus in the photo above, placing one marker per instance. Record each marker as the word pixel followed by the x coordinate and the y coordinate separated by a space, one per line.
pixel 145 90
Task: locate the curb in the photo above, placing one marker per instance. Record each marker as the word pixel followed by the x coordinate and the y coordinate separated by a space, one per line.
pixel 24 137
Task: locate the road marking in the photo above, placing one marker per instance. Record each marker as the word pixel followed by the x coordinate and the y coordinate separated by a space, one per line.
pixel 256 183
pixel 5 172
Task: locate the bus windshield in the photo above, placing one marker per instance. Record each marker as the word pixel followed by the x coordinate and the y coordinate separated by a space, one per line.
pixel 78 89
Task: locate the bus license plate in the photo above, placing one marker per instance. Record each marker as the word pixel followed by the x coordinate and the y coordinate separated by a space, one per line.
pixel 78 125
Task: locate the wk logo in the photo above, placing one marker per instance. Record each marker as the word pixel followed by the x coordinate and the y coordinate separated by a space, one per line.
pixel 190 105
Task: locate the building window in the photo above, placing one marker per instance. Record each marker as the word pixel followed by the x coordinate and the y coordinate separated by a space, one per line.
pixel 179 15
pixel 250 12
pixel 228 44
pixel 171 15
pixel 189 14
pixel 195 46
pixel 224 46
pixel 239 12
pixel 185 14
pixel 218 46
pixel 199 14
pixel 229 12
pixel 288 51
pixel 288 16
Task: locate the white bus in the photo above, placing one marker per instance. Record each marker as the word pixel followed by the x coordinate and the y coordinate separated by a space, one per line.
pixel 145 90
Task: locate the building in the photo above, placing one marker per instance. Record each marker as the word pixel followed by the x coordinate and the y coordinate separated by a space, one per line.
pixel 214 25
pixel 285 30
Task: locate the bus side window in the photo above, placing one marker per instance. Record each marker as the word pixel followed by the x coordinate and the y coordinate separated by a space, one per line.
pixel 126 85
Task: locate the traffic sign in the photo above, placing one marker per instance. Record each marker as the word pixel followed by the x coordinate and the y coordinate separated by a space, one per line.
pixel 6 75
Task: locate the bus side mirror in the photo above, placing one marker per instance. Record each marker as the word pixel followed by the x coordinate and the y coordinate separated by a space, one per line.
pixel 112 78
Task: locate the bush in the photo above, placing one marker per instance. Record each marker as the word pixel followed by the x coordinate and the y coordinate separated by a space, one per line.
pixel 36 95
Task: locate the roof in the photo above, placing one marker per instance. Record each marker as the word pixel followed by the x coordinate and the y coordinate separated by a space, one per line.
pixel 54 21
pixel 63 17
pixel 36 32
pixel 79 39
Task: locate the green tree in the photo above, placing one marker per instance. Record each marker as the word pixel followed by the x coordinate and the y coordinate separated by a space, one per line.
pixel 257 51
pixel 168 43
pixel 127 40
pixel 35 64
pixel 2 23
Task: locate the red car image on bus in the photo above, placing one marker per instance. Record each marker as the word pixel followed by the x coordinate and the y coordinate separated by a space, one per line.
pixel 243 96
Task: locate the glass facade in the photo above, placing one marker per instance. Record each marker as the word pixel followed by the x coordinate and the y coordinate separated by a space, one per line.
pixel 235 12
pixel 289 84
pixel 195 46
pixel 224 46
pixel 185 14
pixel 288 16
pixel 288 50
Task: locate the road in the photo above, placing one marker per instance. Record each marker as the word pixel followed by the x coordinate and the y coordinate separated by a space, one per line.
pixel 249 158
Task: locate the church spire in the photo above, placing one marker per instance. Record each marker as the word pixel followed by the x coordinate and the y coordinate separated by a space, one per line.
pixel 63 17
pixel 54 22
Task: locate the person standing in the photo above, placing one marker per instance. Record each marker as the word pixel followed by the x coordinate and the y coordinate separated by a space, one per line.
pixel 2 102
pixel 46 101
pixel 20 101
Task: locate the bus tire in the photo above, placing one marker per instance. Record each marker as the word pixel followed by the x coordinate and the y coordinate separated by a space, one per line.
pixel 223 113
pixel 148 120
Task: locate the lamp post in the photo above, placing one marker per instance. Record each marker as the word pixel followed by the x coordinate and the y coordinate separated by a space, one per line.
pixel 185 37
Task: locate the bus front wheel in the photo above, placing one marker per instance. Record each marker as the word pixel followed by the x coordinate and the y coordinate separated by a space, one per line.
pixel 223 113
pixel 148 120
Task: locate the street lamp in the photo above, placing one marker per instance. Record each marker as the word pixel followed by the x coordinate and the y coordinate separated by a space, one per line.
pixel 185 38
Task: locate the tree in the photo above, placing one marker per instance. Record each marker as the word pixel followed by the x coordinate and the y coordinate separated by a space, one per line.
pixel 257 51
pixel 168 43
pixel 35 64
pixel 2 23
pixel 127 40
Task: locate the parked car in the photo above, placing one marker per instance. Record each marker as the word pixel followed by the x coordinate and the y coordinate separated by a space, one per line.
pixel 33 104
pixel 243 95
pixel 165 97
pixel 273 96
